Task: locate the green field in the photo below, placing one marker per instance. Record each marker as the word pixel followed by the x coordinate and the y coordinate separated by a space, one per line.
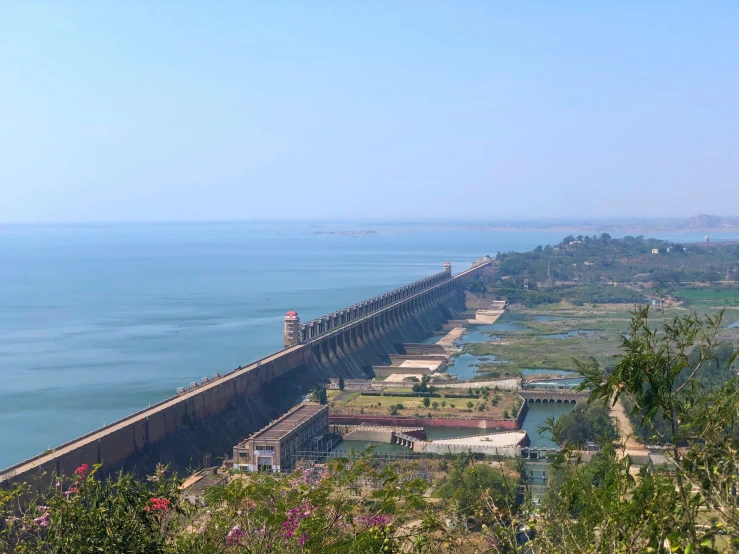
pixel 495 405
pixel 605 323
pixel 707 297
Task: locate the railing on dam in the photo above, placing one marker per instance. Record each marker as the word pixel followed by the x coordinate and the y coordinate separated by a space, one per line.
pixel 315 328
pixel 322 325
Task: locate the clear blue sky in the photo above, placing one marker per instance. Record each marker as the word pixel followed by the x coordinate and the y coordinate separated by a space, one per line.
pixel 117 110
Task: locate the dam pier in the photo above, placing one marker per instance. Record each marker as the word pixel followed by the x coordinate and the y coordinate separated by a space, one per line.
pixel 201 423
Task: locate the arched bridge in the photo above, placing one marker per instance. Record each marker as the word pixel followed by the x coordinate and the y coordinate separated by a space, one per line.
pixel 556 396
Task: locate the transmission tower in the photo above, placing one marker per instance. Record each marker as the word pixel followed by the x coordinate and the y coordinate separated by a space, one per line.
pixel 548 282
pixel 526 280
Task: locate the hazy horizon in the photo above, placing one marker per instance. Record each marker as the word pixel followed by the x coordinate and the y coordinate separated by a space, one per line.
pixel 375 112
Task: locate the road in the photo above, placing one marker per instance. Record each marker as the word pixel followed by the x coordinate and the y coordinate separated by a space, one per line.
pixel 633 447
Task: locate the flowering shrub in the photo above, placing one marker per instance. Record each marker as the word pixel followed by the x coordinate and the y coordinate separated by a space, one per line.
pixel 349 507
pixel 83 514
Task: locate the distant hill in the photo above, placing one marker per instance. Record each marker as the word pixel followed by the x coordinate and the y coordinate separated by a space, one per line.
pixel 707 221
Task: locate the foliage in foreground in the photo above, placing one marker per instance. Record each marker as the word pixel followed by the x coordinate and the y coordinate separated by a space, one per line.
pixel 360 506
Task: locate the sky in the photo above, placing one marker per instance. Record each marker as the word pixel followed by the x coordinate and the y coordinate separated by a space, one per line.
pixel 189 110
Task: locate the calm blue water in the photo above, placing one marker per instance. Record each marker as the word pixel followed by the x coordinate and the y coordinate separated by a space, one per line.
pixel 96 321
pixel 556 383
pixel 562 372
pixel 508 326
pixel 465 366
pixel 734 325
pixel 477 333
pixel 535 417
pixel 568 334
pixel 547 318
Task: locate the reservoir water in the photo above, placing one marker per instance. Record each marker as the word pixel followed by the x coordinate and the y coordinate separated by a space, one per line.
pixel 97 321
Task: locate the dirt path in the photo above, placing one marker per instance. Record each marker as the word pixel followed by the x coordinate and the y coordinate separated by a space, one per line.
pixel 618 413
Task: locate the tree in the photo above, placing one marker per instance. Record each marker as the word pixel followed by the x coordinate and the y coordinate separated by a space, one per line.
pixel 591 423
pixel 322 397
pixel 468 482
pixel 470 404
pixel 710 276
pixel 658 372
pixel 341 383
pixel 426 401
pixel 435 405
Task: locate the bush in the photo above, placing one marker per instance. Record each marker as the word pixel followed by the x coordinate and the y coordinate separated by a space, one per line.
pixel 589 423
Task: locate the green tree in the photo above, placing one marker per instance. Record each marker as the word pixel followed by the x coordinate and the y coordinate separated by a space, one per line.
pixel 589 423
pixel 467 484
pixel 659 372
pixel 470 404
pixel 426 401
pixel 341 383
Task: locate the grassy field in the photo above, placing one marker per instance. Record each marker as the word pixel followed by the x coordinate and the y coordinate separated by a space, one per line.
pixel 709 298
pixel 606 323
pixel 495 405
pixel 527 348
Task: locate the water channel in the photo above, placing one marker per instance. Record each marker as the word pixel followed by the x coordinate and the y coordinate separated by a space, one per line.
pixel 466 366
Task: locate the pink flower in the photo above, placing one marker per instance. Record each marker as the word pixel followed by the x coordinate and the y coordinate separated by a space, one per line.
pixel 82 470
pixel 234 535
pixel 43 520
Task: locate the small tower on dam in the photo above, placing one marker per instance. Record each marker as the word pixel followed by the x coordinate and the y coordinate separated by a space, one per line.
pixel 447 267
pixel 292 329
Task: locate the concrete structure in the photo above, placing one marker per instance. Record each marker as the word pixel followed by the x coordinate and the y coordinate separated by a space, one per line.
pixel 206 419
pixel 507 444
pixel 409 421
pixel 403 436
pixel 272 448
pixel 291 334
pixel 557 396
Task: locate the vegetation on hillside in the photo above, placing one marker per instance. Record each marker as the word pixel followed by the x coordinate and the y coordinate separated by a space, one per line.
pixel 594 269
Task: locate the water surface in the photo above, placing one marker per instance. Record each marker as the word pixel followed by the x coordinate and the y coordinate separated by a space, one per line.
pixel 99 320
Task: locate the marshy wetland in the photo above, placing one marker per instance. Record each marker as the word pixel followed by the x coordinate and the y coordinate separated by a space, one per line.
pixel 549 338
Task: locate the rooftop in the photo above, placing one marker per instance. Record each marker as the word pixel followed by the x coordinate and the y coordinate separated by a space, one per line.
pixel 283 425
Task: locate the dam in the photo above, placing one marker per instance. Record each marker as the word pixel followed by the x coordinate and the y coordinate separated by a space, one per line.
pixel 200 424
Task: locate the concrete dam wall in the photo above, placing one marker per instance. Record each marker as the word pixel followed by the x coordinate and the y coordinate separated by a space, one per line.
pixel 201 424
